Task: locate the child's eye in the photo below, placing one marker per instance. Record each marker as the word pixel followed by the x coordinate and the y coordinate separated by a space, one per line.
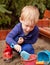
pixel 31 26
pixel 27 26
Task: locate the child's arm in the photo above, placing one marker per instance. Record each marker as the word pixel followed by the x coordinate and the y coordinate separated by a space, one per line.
pixel 10 37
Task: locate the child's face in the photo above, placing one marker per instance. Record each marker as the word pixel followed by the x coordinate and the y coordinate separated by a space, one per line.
pixel 27 26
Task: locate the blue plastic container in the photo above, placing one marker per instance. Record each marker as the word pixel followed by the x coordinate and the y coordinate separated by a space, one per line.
pixel 44 56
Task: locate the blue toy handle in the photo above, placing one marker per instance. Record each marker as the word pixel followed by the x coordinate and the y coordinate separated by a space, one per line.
pixel 12 45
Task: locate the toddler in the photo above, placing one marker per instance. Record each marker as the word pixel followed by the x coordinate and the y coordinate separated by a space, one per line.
pixel 24 34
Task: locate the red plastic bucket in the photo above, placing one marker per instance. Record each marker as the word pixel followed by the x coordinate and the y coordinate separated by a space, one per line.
pixel 31 61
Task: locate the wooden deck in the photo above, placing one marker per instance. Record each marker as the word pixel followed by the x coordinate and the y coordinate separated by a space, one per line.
pixel 44 24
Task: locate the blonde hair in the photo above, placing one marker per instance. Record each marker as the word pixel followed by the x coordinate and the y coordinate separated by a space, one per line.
pixel 30 13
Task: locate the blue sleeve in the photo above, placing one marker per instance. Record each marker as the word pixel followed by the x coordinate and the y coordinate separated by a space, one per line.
pixel 11 35
pixel 34 36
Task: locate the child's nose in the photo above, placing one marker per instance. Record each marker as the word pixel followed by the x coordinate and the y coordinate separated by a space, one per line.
pixel 28 28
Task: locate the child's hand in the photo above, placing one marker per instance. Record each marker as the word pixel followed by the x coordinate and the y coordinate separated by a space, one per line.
pixel 17 47
pixel 21 40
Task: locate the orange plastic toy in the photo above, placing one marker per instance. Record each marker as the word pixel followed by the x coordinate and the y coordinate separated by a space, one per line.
pixel 39 63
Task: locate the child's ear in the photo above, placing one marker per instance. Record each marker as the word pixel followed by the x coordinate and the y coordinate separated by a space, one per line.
pixel 21 21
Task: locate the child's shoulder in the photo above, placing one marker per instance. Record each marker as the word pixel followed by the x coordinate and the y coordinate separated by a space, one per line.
pixel 18 25
pixel 36 28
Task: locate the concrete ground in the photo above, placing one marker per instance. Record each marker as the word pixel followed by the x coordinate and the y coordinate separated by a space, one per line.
pixel 42 43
